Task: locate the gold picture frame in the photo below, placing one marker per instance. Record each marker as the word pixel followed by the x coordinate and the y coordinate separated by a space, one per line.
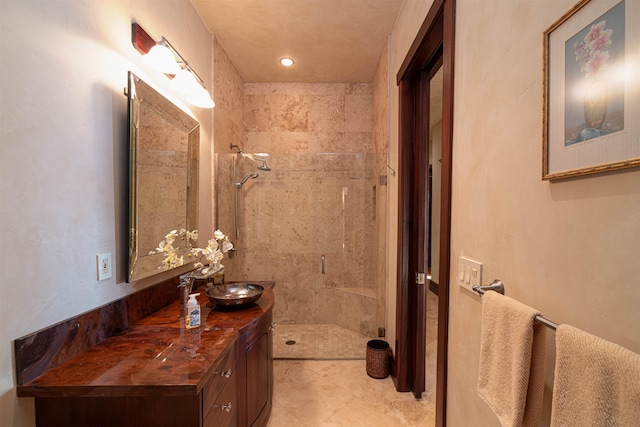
pixel 591 90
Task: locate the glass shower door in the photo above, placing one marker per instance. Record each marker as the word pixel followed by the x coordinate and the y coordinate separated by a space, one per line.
pixel 310 225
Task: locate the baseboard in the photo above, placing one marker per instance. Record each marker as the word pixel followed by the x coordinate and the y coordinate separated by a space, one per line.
pixel 433 287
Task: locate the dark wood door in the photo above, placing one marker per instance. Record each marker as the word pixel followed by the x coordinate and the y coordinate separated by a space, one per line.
pixel 432 49
pixel 421 241
pixel 416 218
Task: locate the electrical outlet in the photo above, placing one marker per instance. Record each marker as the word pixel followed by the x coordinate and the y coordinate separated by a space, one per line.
pixel 104 266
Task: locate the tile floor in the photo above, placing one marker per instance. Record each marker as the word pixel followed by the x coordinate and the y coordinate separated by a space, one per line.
pixel 324 392
pixel 339 393
pixel 317 342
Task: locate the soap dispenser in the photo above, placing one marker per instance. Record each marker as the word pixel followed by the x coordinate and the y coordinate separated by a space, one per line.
pixel 192 318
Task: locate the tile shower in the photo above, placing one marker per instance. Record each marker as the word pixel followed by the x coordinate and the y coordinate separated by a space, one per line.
pixel 322 199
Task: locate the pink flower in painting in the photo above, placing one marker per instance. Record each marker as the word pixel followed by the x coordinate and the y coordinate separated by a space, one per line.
pixel 598 38
pixel 589 51
pixel 597 62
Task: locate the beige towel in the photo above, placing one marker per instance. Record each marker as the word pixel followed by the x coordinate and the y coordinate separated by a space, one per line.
pixel 512 350
pixel 597 383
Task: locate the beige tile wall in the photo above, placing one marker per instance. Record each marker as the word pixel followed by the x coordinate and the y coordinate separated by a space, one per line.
pixel 319 199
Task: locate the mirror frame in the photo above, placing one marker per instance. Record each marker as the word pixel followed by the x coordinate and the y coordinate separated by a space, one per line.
pixel 144 99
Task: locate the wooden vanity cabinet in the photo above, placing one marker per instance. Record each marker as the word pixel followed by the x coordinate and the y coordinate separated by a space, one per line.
pixel 123 382
pixel 216 405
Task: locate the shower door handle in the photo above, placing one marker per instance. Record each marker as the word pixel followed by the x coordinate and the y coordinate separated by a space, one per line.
pixel 323 264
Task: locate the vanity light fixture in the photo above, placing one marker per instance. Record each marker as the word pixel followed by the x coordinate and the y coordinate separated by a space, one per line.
pixel 286 61
pixel 165 58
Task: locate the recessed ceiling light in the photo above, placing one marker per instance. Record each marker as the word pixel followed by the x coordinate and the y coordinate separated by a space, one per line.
pixel 287 62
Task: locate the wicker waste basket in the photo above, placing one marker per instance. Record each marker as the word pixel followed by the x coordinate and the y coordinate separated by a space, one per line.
pixel 378 359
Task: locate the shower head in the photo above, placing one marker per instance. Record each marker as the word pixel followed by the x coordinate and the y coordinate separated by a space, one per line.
pixel 262 157
pixel 263 166
pixel 245 179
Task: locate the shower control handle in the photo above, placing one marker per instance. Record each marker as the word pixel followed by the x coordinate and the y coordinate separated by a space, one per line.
pixel 323 264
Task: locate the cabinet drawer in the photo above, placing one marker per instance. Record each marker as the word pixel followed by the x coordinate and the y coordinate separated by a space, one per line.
pixel 224 411
pixel 258 328
pixel 224 374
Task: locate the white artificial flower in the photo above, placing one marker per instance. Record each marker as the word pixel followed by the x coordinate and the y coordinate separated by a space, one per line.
pixel 226 246
pixel 212 254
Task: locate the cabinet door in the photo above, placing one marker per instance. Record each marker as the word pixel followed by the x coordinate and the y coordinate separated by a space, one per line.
pixel 131 411
pixel 258 377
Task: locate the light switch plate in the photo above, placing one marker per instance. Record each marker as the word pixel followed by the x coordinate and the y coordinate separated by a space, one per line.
pixel 469 273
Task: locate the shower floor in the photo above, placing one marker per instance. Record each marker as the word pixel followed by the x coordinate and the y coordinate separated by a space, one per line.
pixel 318 342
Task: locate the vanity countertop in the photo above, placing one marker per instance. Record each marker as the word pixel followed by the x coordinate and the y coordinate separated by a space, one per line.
pixel 156 356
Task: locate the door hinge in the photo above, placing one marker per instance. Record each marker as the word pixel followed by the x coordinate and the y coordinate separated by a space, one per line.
pixel 420 278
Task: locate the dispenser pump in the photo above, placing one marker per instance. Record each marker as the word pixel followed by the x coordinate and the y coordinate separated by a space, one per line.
pixel 192 319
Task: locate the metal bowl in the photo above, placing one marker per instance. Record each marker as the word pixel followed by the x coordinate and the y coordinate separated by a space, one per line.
pixel 234 295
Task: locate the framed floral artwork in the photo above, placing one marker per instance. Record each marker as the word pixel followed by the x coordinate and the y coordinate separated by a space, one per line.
pixel 591 84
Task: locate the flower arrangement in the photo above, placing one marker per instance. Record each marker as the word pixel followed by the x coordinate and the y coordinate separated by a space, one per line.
pixel 208 257
pixel 589 51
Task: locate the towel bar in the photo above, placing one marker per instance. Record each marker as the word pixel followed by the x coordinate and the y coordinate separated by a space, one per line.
pixel 546 322
pixel 498 286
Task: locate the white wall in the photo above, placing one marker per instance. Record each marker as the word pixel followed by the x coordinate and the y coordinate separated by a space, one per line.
pixel 569 249
pixel 63 142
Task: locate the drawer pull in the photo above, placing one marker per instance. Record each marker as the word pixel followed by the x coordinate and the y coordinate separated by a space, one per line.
pixel 225 374
pixel 226 407
pixel 273 326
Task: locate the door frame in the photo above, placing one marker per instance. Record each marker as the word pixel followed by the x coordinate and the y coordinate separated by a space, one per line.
pixel 436 34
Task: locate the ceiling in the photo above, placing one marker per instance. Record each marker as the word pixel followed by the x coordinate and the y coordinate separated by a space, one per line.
pixel 332 41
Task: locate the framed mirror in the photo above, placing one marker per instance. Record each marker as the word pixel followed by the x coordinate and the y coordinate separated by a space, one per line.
pixel 163 175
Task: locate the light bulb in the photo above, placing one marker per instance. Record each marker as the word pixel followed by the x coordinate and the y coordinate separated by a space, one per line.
pixel 201 98
pixel 161 59
pixel 185 82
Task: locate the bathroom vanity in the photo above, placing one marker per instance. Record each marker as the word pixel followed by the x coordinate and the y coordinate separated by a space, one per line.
pixel 158 373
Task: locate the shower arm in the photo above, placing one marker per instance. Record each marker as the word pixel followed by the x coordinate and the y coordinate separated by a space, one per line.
pixel 262 167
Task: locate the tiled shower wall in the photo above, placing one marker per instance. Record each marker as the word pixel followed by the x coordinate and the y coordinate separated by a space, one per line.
pixel 321 197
